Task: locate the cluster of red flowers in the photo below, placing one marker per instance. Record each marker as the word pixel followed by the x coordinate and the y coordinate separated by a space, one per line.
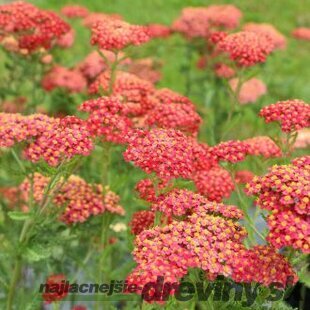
pixel 54 139
pixel 73 11
pixel 182 117
pixel 269 31
pixel 166 152
pixel 291 114
pixel 250 91
pixel 302 33
pixel 209 239
pixel 55 280
pixel 224 16
pixel 114 34
pixel 61 77
pixel 66 40
pixel 79 199
pixel 284 190
pixel 246 48
pixel 244 176
pixel 223 71
pixel 199 21
pixel 141 220
pixel 263 146
pixel 107 119
pixel 34 28
pixel 158 31
pixel 231 151
pixel 133 91
pixel 15 128
pixel 216 183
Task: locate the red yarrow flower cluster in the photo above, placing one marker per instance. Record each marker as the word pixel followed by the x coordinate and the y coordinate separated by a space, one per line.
pixel 133 91
pixel 177 116
pixel 79 199
pixel 106 118
pixel 284 190
pixel 166 152
pixel 231 151
pixel 263 146
pixel 269 31
pixel 66 40
pixel 74 11
pixel 301 33
pixel 34 28
pixel 209 239
pixel 65 139
pixel 246 48
pixel 244 176
pixel 141 220
pixel 223 71
pixel 223 16
pixel 93 18
pixel 193 22
pixel 291 114
pixel 250 91
pixel 158 31
pixel 61 77
pixel 215 184
pixel 114 34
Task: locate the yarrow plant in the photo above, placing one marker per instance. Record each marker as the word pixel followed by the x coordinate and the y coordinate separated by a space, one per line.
pixel 108 175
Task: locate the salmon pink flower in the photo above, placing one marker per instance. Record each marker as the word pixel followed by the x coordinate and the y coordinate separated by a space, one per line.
pixel 302 33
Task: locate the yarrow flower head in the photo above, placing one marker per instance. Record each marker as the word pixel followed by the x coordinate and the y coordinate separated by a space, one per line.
pixel 223 71
pixel 244 176
pixel 250 91
pixel 34 28
pixel 74 11
pixel 141 220
pixel 133 91
pixel 61 77
pixel 263 146
pixel 193 22
pixel 291 114
pixel 106 118
pixel 303 139
pixel 66 40
pixel 302 33
pixel 166 152
pixel 231 151
pixel 223 16
pixel 116 34
pixel 269 31
pixel 246 48
pixel 158 31
pixel 216 183
pixel 79 199
pixel 177 116
pixel 62 141
pixel 284 190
